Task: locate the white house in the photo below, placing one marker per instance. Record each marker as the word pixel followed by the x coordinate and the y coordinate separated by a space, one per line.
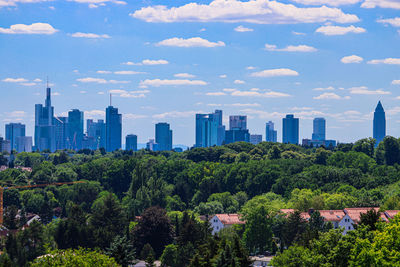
pixel 221 221
pixel 339 219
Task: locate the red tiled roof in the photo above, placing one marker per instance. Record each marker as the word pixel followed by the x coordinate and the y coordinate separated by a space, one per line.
pixel 332 215
pixel 391 213
pixel 229 219
pixel 355 213
pixel 303 215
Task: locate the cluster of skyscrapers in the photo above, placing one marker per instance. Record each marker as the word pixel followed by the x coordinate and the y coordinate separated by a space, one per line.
pixel 58 133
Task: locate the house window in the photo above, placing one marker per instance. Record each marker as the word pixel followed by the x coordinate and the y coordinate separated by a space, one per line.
pixel 349 227
pixel 217 227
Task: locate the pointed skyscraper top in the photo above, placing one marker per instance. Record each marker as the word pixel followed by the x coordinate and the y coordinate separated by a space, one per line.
pixel 379 107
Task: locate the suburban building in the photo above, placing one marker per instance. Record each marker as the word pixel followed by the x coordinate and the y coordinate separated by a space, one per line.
pixel 221 221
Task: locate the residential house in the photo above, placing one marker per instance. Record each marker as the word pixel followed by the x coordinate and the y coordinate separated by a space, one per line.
pixel 221 221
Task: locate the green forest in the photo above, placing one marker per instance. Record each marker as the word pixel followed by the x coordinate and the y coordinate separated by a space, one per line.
pixel 147 205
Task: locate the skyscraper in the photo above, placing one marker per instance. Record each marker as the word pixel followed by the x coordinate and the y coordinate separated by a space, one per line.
pixel 319 129
pixel 44 127
pixel 270 133
pixel 113 129
pixel 255 139
pixel 24 144
pixel 238 122
pixel 290 130
pixel 379 131
pixel 61 132
pixel 75 129
pixel 13 131
pixel 97 130
pixel 163 136
pixel 209 129
pixel 131 142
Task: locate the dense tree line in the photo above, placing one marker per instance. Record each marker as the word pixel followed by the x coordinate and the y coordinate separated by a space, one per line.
pixel 168 190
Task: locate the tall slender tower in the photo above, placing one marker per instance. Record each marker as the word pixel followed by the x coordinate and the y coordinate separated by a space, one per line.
pixel 44 127
pixel 379 123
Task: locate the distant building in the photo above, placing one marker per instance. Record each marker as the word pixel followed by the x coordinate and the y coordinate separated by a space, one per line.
pixel 13 131
pixel 237 135
pixel 61 132
pixel 290 130
pixel 319 129
pixel 75 129
pixel 113 129
pixel 5 145
pixel 97 130
pixel 209 129
pixel 163 136
pixel 379 131
pixel 270 132
pixel 131 142
pixel 152 145
pixel 238 122
pixel 24 144
pixel 318 143
pixel 44 127
pixel 89 142
pixel 221 221
pixel 255 139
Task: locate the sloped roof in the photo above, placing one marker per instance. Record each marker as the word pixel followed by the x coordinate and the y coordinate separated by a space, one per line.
pixel 332 215
pixel 229 219
pixel 303 215
pixel 355 213
pixel 391 213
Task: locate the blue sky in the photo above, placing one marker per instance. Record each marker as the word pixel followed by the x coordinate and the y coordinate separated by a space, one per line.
pixel 164 61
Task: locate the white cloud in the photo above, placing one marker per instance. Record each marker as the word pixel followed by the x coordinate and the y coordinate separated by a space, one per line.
pixel 83 92
pixel 16 114
pixel 250 68
pixel 154 62
pixel 131 116
pixel 103 72
pixel 234 11
pixel 291 48
pixel 351 59
pixel 256 93
pixel 13 3
pixel 395 22
pixel 215 93
pixel 339 30
pixel 395 4
pixel 184 75
pixel 130 63
pixel 389 61
pixel 35 28
pixel 241 28
pixel 275 73
pixel 127 72
pixel 330 88
pixel 99 80
pixel 363 90
pixel 239 82
pixel 90 35
pixel 129 94
pixel 327 2
pixel 176 114
pixel 190 42
pixel 223 76
pixel 14 80
pixel 244 105
pixel 298 33
pixel 327 96
pixel 28 84
pixel 37 80
pixel 97 3
pixel 159 82
pixel 92 114
pixel 396 82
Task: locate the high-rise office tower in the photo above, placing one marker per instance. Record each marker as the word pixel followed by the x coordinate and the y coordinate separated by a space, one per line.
pixel 61 133
pixel 209 129
pixel 44 127
pixel 97 130
pixel 75 129
pixel 379 131
pixel 290 130
pixel 13 131
pixel 5 145
pixel 163 136
pixel 238 122
pixel 255 139
pixel 24 144
pixel 319 129
pixel 270 133
pixel 113 129
pixel 131 142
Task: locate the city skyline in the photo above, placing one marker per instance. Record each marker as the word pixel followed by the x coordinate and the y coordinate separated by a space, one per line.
pixel 334 64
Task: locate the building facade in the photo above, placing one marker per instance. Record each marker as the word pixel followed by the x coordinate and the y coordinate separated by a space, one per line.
pixel 271 134
pixel 44 127
pixel 209 129
pixel 75 129
pixel 131 142
pixel 255 139
pixel 319 129
pixel 113 129
pixel 97 130
pixel 24 144
pixel 163 135
pixel 61 132
pixel 379 127
pixel 238 122
pixel 13 131
pixel 290 130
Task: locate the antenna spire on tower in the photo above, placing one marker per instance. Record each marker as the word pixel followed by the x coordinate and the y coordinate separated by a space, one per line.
pixel 110 99
pixel 47 78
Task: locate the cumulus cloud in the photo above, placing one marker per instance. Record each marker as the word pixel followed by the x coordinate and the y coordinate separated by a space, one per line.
pixel 223 76
pixel 328 96
pixel 257 93
pixel 215 93
pixel 394 4
pixel 388 61
pixel 243 29
pixel 184 75
pixel 339 30
pixel 131 116
pixel 395 22
pixel 129 94
pixel 176 114
pixel 351 59
pixel 330 88
pixel 239 82
pixel 100 80
pixel 103 72
pixel 13 3
pixel 159 82
pixel 127 72
pixel 250 68
pixel 90 35
pixel 37 80
pixel 275 73
pixel 150 62
pixel 291 48
pixel 190 42
pixel 28 84
pixel 14 80
pixel 363 90
pixel 327 2
pixel 234 11
pixel 396 82
pixel 93 114
pixel 34 28
pixel 298 33
pixel 97 3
